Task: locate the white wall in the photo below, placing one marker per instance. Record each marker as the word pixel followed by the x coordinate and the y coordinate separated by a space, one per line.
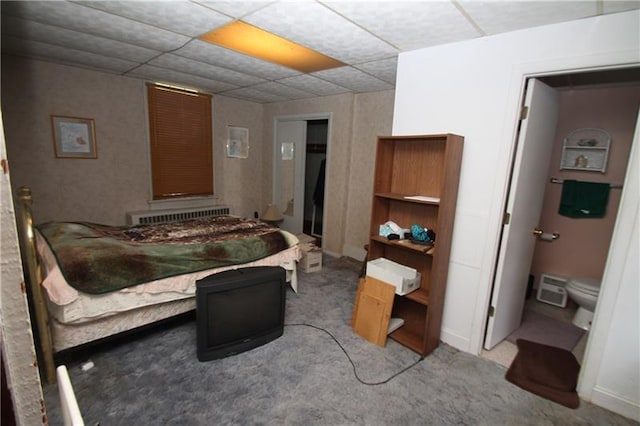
pixel 474 89
pixel 614 346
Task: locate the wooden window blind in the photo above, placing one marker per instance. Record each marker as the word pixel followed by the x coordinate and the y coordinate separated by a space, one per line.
pixel 181 142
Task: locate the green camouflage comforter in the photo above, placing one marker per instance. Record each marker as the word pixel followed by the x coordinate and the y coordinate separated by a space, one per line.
pixel 99 259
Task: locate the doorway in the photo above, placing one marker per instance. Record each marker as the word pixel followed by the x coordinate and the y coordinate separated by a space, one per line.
pixel 315 166
pixel 585 101
pixel 301 144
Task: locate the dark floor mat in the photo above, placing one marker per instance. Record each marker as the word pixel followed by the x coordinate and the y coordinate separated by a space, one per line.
pixel 546 371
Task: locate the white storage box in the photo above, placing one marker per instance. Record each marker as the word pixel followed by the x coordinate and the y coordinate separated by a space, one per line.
pixel 306 239
pixel 311 260
pixel 405 279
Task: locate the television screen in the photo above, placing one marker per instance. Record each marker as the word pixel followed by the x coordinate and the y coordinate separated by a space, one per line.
pixel 239 310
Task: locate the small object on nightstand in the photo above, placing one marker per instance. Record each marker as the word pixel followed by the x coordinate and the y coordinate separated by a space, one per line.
pixel 271 215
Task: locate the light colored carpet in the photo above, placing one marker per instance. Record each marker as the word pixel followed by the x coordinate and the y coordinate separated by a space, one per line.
pixel 303 377
pixel 503 353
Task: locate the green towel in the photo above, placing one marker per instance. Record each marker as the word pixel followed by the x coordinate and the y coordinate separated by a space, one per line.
pixel 584 199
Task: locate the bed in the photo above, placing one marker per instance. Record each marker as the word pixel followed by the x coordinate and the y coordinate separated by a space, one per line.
pixel 89 281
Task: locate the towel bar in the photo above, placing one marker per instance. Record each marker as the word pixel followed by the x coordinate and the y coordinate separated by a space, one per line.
pixel 612 185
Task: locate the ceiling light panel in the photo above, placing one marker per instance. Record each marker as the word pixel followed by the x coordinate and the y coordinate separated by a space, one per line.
pixel 353 79
pixel 80 18
pixel 35 31
pixel 216 55
pixel 179 78
pixel 409 25
pixel 314 85
pixel 503 16
pixel 202 69
pixel 256 42
pixel 39 50
pixel 318 28
pixel 183 17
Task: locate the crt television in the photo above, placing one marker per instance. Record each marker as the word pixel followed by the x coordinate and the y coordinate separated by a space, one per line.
pixel 238 310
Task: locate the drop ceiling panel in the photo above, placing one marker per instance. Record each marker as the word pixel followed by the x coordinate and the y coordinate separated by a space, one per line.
pixel 204 70
pixel 409 25
pixel 353 79
pixel 314 85
pixel 163 75
pixel 64 55
pixel 384 69
pixel 216 55
pixel 236 9
pixel 499 17
pixel 182 17
pixel 254 95
pixel 319 28
pixel 91 21
pixel 286 92
pixel 157 40
pixel 35 31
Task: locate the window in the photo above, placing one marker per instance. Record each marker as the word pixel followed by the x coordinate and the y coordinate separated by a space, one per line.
pixel 181 142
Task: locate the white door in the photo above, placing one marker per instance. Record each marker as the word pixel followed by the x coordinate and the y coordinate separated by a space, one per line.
pixel 524 206
pixel 289 162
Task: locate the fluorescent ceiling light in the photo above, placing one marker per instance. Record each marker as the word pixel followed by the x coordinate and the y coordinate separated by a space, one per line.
pixel 253 41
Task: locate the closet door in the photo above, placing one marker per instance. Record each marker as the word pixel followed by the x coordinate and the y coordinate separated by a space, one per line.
pixel 289 163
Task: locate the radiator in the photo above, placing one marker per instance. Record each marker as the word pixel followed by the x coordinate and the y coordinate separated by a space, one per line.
pixel 161 216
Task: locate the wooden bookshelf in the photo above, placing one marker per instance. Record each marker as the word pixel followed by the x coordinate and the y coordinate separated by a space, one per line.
pixel 416 182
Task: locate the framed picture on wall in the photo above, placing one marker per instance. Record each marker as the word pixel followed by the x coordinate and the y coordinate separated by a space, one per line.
pixel 74 137
pixel 237 142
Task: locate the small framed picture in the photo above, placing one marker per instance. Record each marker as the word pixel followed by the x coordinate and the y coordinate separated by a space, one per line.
pixel 74 137
pixel 237 142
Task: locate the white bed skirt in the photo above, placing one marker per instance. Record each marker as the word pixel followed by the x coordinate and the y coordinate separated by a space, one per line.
pixel 68 336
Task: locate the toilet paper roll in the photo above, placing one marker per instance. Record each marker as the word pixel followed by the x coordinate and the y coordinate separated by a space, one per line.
pixel 548 237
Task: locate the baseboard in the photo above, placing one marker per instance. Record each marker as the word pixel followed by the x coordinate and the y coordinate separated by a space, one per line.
pixel 357 253
pixel 331 253
pixel 616 403
pixel 457 341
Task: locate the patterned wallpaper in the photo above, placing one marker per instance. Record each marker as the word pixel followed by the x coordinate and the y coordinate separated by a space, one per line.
pixel 341 107
pixel 98 190
pixel 372 118
pixel 102 190
pixel 236 178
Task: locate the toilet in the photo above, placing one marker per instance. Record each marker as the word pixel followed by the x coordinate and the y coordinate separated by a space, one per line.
pixel 584 291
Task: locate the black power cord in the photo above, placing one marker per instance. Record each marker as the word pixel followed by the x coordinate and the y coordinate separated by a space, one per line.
pixel 355 372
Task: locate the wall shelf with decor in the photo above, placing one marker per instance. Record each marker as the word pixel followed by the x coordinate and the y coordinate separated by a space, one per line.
pixel 416 182
pixel 586 150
